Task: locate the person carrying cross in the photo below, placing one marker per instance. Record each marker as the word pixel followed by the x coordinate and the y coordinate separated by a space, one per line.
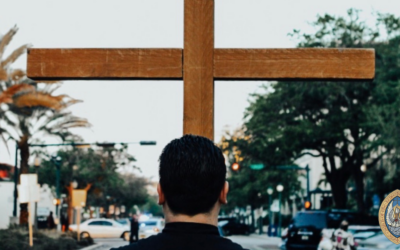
pixel 191 189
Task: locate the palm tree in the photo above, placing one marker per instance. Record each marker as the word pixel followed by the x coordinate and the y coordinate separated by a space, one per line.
pixel 29 110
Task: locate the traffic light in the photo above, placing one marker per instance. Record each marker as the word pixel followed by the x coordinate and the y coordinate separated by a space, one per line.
pixel 307 205
pixel 235 167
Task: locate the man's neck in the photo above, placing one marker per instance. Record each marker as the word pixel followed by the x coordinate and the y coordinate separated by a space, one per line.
pixel 210 218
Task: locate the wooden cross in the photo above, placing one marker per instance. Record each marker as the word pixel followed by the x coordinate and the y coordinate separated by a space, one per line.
pixel 199 64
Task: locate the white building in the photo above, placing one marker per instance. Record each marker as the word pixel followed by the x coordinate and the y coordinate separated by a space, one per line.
pixel 6 203
pixel 316 174
pixel 45 204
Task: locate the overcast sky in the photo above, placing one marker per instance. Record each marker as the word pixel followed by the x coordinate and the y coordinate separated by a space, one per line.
pixel 129 111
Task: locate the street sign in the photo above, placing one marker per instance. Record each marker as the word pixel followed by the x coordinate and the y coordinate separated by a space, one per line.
pixel 257 166
pixel 79 198
pixel 29 189
pixel 376 201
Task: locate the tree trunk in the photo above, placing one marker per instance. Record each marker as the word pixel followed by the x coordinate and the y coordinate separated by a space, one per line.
pixel 359 179
pixel 24 169
pixel 338 183
pixel 253 225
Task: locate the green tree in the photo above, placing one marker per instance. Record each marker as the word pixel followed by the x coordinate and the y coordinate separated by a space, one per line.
pixel 248 186
pixel 331 120
pixel 104 169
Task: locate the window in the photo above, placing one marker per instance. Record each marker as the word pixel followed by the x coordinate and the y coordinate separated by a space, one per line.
pixel 123 222
pixel 95 223
pixel 148 223
pixel 107 223
pixel 317 220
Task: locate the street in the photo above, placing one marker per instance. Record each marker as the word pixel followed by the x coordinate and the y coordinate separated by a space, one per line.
pixel 252 242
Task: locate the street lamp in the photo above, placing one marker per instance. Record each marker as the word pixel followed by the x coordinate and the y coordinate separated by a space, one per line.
pixel 279 188
pixel 74 184
pixel 36 162
pixel 75 167
pixel 260 226
pixel 270 191
pixel 363 168
pixel 57 161
pixel 16 176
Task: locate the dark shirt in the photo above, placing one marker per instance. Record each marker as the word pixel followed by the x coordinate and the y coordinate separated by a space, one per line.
pixel 185 236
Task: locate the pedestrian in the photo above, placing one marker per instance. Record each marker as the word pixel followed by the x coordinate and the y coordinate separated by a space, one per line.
pixel 134 229
pixel 50 221
pixel 63 220
pixel 342 239
pixel 191 190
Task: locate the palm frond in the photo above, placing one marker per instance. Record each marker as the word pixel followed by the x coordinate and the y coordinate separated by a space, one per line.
pixel 71 102
pixel 2 132
pixel 50 88
pixel 15 55
pixel 5 40
pixel 38 99
pixel 48 82
pixel 5 118
pixel 3 75
pixel 69 122
pixel 7 95
pixel 17 75
pixel 54 117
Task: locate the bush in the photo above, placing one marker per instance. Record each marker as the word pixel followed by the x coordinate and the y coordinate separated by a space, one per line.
pixel 18 238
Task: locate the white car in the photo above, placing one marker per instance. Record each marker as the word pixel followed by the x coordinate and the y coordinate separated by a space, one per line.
pixel 102 228
pixel 150 227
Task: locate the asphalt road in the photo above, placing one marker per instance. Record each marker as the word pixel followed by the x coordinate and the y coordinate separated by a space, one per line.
pixel 256 242
pixel 252 242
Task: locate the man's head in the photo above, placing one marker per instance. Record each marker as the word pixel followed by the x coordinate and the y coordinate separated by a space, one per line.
pixel 344 225
pixel 192 175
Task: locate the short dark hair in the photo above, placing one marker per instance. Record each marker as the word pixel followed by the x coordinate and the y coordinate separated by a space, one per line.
pixel 192 174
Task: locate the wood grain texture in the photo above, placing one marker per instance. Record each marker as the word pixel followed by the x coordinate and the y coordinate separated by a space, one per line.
pixel 198 117
pixel 308 63
pixel 75 64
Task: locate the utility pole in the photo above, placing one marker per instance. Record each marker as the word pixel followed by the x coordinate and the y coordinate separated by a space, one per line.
pixel 15 180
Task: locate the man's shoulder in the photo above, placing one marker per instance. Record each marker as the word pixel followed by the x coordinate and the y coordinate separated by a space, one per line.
pixel 229 244
pixel 162 241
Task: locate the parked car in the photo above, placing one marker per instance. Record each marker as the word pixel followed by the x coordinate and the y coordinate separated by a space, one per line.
pixel 312 229
pixel 232 226
pixel 102 228
pixel 124 221
pixel 150 227
pixel 305 230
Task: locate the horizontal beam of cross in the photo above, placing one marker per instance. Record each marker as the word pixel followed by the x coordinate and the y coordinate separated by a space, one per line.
pixel 235 64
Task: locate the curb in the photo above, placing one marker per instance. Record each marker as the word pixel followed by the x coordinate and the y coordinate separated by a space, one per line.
pixel 92 247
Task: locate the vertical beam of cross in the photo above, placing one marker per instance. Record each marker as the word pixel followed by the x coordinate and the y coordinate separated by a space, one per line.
pixel 198 76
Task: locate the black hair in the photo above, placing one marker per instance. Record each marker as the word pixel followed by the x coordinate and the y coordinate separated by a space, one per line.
pixel 192 174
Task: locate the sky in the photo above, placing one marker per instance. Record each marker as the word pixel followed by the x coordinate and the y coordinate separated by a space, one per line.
pixel 130 111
